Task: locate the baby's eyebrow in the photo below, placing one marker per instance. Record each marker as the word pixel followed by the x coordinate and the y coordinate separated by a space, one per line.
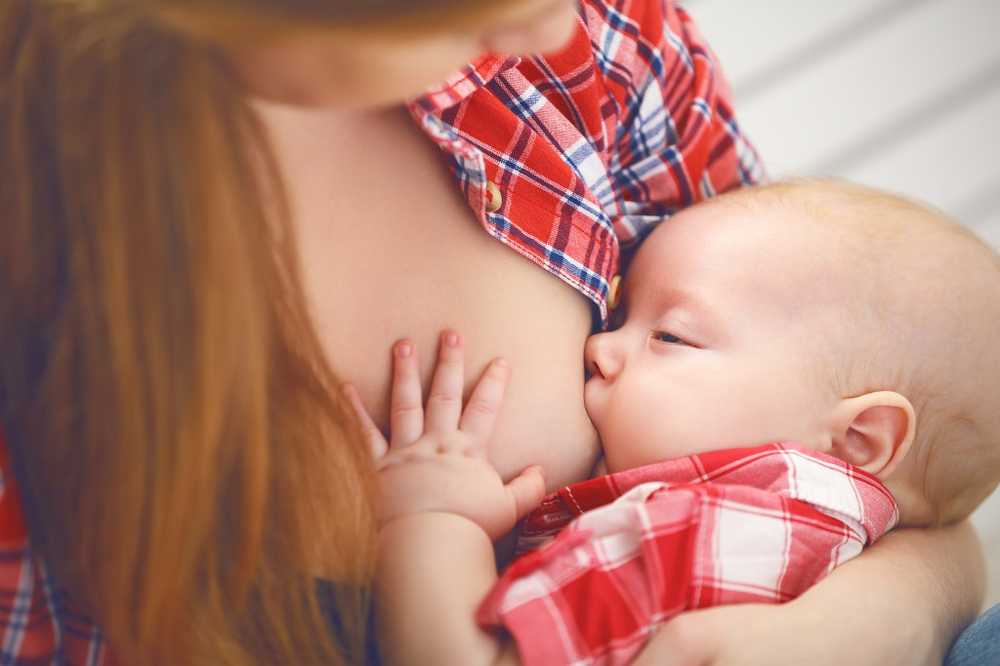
pixel 695 305
pixel 669 295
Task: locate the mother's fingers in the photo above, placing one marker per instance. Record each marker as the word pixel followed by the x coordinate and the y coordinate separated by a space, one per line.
pixel 406 411
pixel 444 403
pixel 480 413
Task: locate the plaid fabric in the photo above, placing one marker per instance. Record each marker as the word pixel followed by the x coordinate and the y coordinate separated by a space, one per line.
pixel 588 150
pixel 37 622
pixel 592 147
pixel 633 549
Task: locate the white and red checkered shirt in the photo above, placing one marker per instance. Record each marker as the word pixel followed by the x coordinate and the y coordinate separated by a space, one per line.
pixel 633 549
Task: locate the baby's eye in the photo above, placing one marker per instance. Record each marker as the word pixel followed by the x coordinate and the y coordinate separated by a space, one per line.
pixel 668 338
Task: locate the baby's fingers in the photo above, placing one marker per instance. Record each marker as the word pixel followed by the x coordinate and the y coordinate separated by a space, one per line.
pixel 369 431
pixel 406 411
pixel 526 490
pixel 480 413
pixel 444 402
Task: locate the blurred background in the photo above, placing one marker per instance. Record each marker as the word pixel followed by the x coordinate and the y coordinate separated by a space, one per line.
pixel 899 94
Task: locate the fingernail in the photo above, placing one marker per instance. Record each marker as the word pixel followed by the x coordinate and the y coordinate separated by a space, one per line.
pixel 451 339
pixel 404 349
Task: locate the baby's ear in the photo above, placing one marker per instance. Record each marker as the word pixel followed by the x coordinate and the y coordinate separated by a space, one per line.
pixel 874 431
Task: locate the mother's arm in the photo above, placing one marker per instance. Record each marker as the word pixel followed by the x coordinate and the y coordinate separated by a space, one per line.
pixel 902 602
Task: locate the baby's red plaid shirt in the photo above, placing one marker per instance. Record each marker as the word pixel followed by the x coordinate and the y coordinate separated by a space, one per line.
pixel 633 549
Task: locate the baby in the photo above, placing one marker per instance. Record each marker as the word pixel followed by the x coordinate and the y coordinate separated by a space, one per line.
pixel 799 367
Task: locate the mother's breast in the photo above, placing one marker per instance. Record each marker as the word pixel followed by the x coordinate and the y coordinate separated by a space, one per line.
pixel 390 250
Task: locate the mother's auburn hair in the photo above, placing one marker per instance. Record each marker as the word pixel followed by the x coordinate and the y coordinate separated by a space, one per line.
pixel 187 468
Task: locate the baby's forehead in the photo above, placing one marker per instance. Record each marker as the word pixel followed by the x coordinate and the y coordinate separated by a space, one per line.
pixel 824 240
pixel 834 226
pixel 796 245
pixel 759 230
pixel 721 257
pixel 845 209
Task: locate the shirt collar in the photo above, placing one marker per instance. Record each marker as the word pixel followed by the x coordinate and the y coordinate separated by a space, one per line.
pixel 463 83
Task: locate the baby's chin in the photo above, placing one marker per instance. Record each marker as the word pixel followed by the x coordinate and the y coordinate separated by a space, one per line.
pixel 601 465
pixel 594 403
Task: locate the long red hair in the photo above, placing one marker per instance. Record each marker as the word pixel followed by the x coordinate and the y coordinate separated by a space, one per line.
pixel 187 469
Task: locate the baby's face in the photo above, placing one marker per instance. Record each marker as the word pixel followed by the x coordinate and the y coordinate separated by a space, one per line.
pixel 715 348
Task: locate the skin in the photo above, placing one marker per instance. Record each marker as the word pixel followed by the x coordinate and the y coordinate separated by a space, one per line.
pixel 294 69
pixel 388 249
pixel 441 505
pixel 717 353
pixel 356 251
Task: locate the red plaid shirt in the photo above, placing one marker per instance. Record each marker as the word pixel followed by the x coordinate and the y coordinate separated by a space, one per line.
pixel 633 549
pixel 37 622
pixel 566 159
pixel 571 158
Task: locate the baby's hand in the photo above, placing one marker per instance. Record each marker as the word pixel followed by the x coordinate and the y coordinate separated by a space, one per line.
pixel 439 463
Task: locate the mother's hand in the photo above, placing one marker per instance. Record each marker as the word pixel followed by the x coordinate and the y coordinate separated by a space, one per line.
pixel 738 635
pixel 757 635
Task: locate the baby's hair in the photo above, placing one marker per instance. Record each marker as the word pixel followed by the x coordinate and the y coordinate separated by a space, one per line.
pixel 919 315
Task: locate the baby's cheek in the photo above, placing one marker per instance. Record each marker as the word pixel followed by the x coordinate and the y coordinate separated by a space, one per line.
pixel 638 433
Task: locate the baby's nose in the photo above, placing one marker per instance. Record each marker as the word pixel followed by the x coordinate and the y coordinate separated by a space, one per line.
pixel 599 356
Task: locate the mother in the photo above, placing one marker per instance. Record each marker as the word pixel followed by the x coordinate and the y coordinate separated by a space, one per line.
pixel 209 204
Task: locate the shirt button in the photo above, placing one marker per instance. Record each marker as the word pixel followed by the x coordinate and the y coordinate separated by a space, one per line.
pixel 494 200
pixel 614 292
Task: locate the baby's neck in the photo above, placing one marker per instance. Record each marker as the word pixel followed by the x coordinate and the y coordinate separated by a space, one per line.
pixel 914 509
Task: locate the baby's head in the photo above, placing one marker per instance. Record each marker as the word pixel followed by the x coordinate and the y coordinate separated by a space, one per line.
pixel 848 320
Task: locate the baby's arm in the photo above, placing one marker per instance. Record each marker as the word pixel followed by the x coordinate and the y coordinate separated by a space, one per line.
pixel 433 571
pixel 440 505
